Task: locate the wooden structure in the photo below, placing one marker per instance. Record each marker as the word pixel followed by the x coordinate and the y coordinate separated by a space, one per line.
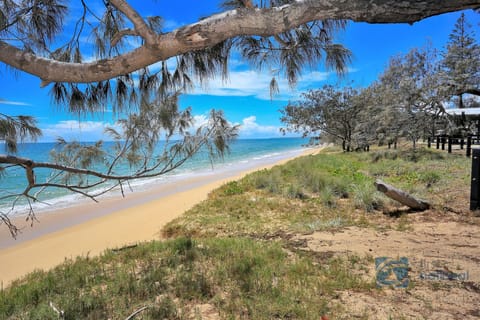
pixel 463 116
pixel 475 182
pixel 444 141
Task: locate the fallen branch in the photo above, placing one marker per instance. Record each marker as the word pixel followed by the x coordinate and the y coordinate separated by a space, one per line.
pixel 401 196
pixel 136 312
pixel 124 248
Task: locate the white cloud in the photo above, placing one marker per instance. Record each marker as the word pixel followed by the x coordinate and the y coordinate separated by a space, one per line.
pixel 249 128
pixel 14 103
pixel 257 84
pixel 313 77
pixel 76 130
pixel 200 120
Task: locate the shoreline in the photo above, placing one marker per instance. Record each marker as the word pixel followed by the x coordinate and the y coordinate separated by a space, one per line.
pixel 91 228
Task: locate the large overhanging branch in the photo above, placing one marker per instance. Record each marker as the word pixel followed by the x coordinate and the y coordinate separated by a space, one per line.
pixel 140 26
pixel 217 28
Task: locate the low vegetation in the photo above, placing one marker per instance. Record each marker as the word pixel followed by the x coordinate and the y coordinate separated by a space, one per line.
pixel 330 190
pixel 235 256
pixel 235 276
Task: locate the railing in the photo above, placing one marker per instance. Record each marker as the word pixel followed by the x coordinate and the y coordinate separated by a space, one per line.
pixel 450 141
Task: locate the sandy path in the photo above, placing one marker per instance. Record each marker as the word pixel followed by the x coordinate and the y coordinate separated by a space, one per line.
pixel 446 244
pixel 89 229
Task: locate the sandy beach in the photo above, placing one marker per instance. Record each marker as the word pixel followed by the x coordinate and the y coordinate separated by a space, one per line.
pixel 90 228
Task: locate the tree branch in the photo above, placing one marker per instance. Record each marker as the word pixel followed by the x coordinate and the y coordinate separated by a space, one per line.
pixel 208 32
pixel 121 34
pixel 472 91
pixel 140 26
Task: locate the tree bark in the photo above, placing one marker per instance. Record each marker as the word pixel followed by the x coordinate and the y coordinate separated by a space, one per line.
pixel 401 196
pixel 218 28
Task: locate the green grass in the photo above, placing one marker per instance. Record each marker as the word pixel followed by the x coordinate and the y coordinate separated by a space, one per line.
pixel 237 276
pixel 322 192
pixel 234 252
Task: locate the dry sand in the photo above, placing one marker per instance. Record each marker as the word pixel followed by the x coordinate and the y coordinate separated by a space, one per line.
pixel 435 241
pixel 89 229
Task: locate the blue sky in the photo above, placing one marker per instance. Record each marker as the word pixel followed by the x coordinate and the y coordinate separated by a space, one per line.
pixel 245 96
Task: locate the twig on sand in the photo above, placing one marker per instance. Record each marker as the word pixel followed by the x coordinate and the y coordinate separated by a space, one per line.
pixel 136 312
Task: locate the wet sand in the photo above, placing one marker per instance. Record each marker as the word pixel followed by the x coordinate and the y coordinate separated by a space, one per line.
pixel 91 228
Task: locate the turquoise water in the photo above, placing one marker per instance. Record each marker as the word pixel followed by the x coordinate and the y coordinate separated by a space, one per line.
pixel 244 154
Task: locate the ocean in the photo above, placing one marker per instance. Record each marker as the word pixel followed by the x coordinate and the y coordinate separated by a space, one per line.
pixel 244 154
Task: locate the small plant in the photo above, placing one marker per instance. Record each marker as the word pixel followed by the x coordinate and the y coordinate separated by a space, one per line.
pixel 366 197
pixel 404 224
pixel 232 188
pixel 165 308
pixel 295 192
pixel 430 177
pixel 327 195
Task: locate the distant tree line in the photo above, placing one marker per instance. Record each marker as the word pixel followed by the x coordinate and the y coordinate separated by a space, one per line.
pixel 408 100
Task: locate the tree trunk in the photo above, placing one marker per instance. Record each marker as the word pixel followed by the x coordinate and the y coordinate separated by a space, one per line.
pixel 401 196
pixel 218 28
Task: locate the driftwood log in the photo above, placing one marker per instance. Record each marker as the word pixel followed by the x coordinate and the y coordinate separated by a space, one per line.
pixel 401 196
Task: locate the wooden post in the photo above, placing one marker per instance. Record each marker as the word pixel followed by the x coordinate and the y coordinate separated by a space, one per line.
pixel 438 142
pixel 443 142
pixel 462 142
pixel 429 142
pixel 469 146
pixel 449 144
pixel 475 182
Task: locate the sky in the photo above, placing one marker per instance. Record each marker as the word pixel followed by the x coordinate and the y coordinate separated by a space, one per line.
pixel 244 97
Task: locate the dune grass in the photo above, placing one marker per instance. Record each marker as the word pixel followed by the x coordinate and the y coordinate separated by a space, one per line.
pixel 233 257
pixel 236 276
pixel 322 192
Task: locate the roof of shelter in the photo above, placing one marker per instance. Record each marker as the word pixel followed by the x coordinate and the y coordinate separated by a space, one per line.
pixel 465 111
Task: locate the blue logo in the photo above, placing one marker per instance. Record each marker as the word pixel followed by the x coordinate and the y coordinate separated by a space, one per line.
pixel 391 273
